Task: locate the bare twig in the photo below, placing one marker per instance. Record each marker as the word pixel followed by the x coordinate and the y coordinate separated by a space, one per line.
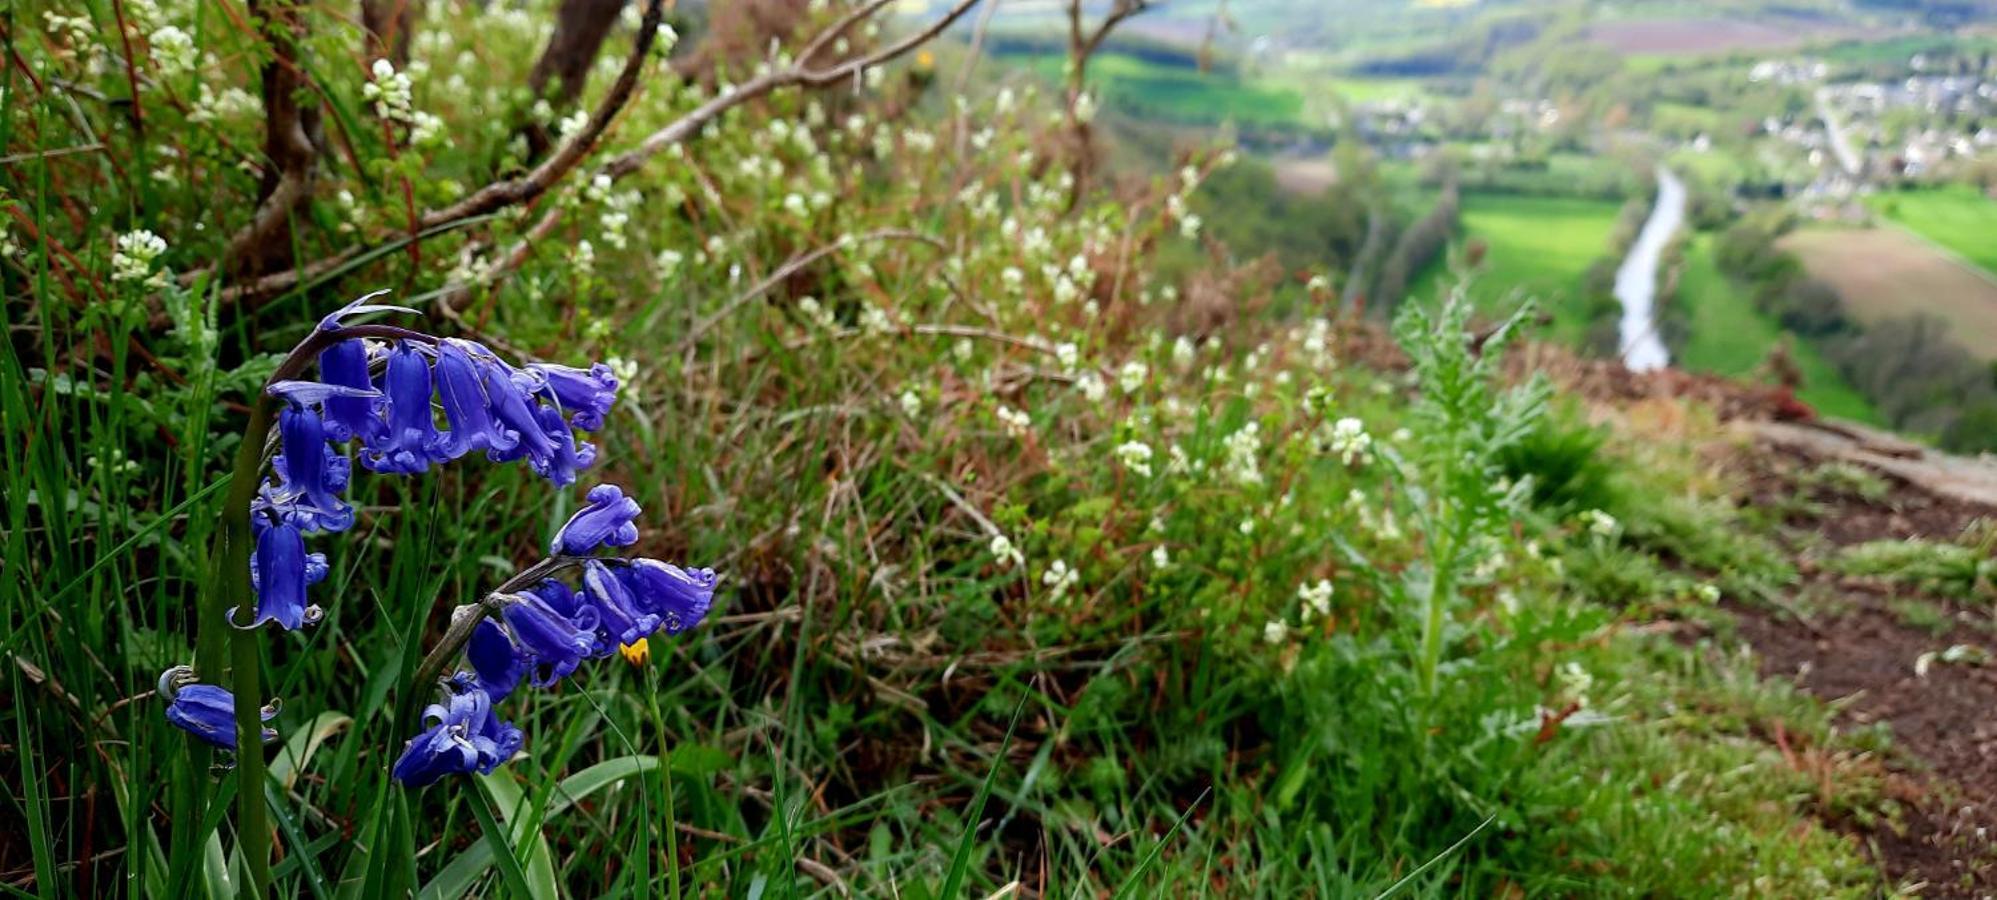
pixel 289 125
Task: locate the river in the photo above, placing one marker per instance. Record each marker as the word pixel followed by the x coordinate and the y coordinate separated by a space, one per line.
pixel 1636 281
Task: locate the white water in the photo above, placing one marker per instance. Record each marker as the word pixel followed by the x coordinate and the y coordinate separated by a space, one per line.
pixel 1636 281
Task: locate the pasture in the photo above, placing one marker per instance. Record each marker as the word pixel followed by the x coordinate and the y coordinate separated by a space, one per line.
pixel 1958 217
pixel 1701 36
pixel 1883 273
pixel 1182 94
pixel 1534 247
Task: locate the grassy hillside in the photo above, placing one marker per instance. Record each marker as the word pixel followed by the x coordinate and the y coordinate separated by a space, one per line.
pixel 1958 217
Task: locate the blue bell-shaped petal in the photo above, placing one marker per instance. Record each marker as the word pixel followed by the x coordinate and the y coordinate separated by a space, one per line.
pixel 545 440
pixel 568 603
pixel 618 613
pixel 310 476
pixel 609 520
pixel 461 388
pixel 347 417
pixel 498 662
pixel 555 642
pixel 209 713
pixel 679 597
pixel 587 394
pixel 411 442
pixel 280 571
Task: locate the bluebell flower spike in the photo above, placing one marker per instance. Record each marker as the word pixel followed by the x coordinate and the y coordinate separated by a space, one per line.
pixel 555 642
pixel 310 475
pixel 608 519
pixel 496 660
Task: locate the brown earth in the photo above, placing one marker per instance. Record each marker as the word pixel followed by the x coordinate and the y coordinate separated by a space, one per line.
pixel 1690 36
pixel 1845 643
pixel 1884 273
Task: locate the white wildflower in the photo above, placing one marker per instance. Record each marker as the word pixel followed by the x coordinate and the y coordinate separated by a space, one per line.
pixel 911 404
pixel 1316 598
pixel 1068 354
pixel 1243 447
pixel 1007 554
pixel 1092 387
pixel 1275 631
pixel 1132 376
pixel 1058 578
pixel 1015 422
pixel 173 49
pixel 133 257
pixel 1160 558
pixel 1136 456
pixel 388 90
pixel 1599 523
pixel 1349 439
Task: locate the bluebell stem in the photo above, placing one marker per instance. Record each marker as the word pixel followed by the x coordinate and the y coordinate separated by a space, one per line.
pixel 204 710
pixel 609 520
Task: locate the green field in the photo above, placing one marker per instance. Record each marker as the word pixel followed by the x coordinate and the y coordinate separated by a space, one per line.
pixel 1534 247
pixel 1958 217
pixel 1175 93
pixel 1730 337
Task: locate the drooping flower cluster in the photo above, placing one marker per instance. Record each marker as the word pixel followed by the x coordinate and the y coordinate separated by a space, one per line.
pixel 382 399
pixel 543 632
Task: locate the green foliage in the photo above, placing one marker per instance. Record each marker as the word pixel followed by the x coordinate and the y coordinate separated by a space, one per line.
pixel 1956 571
pixel 1562 459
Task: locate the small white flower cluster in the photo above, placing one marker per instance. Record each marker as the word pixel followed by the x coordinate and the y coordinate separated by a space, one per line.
pixel 133 256
pixel 1015 422
pixel 173 49
pixel 1059 579
pixel 1244 447
pixel 1008 555
pixel 1599 523
pixel 1316 599
pixel 1317 344
pixel 1135 456
pixel 1348 439
pixel 390 92
pixel 1189 221
pixel 1275 631
pixel 231 103
pixel 1132 376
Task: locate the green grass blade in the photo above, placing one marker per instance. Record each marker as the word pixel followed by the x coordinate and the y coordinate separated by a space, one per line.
pixel 510 867
pixel 1435 860
pixel 960 861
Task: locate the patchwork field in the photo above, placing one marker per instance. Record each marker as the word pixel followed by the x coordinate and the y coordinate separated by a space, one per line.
pixel 1958 217
pixel 1534 247
pixel 1182 94
pixel 1692 36
pixel 1730 337
pixel 1888 272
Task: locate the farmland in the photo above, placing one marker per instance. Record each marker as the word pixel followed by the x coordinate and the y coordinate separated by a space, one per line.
pixel 1696 36
pixel 1534 247
pixel 1957 217
pixel 1183 94
pixel 1884 273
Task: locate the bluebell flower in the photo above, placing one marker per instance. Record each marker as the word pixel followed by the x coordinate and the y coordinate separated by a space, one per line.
pixel 280 571
pixel 461 387
pixel 310 474
pixel 555 641
pixel 495 659
pixel 411 444
pixel 618 614
pixel 609 520
pixel 588 393
pixel 679 597
pixel 345 364
pixel 464 735
pixel 545 441
pixel 204 710
pixel 568 603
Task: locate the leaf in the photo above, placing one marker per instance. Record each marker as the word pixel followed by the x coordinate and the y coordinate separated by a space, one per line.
pixel 698 760
pixel 298 750
pixel 498 836
pixel 960 861
pixel 462 873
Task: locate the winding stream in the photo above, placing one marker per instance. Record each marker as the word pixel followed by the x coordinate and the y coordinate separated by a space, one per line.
pixel 1636 280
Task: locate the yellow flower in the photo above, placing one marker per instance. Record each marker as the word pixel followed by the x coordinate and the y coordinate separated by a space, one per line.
pixel 637 654
pixel 925 60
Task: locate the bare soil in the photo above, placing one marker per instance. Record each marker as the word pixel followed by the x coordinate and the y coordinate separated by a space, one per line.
pixel 1855 648
pixel 1885 273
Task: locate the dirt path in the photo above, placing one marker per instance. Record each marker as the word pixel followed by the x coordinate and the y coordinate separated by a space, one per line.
pixel 1856 642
